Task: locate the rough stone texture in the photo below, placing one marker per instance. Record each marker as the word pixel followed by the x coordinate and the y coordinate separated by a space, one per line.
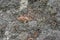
pixel 45 23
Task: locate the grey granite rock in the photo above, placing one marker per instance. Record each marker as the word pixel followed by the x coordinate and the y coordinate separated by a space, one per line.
pixel 45 19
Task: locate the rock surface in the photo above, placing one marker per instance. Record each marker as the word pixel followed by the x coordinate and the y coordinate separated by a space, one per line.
pixel 45 23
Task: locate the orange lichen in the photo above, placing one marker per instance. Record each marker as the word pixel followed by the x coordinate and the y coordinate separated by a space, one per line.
pixel 35 34
pixel 30 38
pixel 24 18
